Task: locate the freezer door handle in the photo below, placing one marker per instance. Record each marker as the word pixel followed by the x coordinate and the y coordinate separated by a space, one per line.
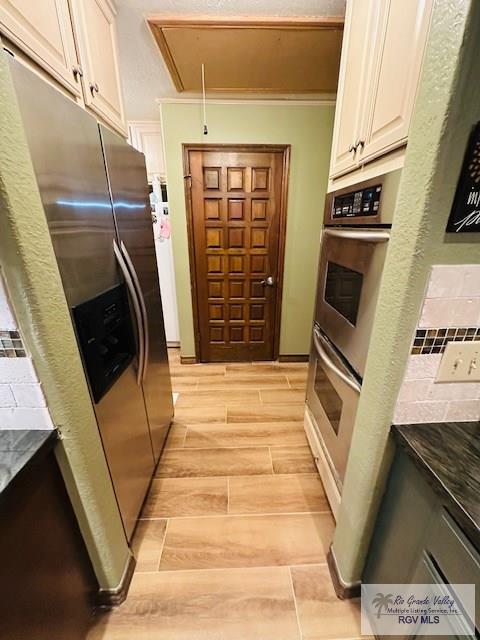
pixel 136 309
pixel 143 307
pixel 322 354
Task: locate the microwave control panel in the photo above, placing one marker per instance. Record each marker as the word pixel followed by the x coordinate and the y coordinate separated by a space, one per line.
pixel 356 204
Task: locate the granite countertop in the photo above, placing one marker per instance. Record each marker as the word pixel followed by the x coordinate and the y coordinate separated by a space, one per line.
pixel 448 454
pixel 18 447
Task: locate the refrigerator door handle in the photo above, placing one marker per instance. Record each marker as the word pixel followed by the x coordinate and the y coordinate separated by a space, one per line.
pixel 136 309
pixel 143 307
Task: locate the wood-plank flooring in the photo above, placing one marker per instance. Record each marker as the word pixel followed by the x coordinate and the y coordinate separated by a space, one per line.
pixel 234 533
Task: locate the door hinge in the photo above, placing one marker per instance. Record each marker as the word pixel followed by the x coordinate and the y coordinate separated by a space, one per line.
pixel 189 178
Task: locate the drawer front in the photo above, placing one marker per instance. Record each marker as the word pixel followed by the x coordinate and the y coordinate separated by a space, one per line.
pixel 455 556
pixel 426 573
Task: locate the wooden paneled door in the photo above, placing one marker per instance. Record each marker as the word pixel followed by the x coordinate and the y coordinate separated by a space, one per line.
pixel 237 211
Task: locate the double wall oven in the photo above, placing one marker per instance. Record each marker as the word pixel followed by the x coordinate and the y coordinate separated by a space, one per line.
pixel 354 245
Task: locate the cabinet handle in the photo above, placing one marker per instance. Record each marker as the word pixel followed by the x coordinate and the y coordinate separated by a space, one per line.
pixel 93 88
pixel 77 72
pixel 360 143
pixel 352 148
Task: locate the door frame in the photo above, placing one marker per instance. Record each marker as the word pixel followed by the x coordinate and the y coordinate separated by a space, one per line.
pixel 267 148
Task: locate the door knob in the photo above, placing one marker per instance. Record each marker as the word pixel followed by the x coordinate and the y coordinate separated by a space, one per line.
pixel 269 282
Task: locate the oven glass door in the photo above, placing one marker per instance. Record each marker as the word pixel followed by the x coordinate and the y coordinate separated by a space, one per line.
pixel 328 397
pixel 343 288
pixel 332 397
pixel 351 264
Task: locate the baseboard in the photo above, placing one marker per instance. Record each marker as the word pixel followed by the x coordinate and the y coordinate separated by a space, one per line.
pixel 344 590
pixel 108 598
pixel 287 358
pixel 301 357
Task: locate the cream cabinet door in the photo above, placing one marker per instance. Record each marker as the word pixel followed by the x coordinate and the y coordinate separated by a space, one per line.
pixel 360 20
pixel 43 30
pixel 398 55
pixel 147 138
pixel 94 22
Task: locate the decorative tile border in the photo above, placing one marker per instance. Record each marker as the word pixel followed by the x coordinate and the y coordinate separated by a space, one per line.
pixel 11 345
pixel 429 341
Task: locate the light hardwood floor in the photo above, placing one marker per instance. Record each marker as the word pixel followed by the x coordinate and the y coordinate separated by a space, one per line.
pixel 234 533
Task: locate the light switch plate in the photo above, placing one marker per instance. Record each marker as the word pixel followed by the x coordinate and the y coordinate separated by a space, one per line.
pixel 460 363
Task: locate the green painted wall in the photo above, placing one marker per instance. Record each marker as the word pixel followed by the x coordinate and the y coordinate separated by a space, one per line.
pixel 447 106
pixel 308 129
pixel 30 268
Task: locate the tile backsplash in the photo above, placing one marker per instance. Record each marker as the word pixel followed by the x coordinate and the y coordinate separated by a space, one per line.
pixel 452 298
pixel 22 403
pixel 428 341
pixel 7 320
pixel 11 345
pixel 450 312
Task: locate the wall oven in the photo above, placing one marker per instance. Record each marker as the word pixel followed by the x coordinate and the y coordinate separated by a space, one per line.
pixel 333 393
pixel 351 264
pixel 354 246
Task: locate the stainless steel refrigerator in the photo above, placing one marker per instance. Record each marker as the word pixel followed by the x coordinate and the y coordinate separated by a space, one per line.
pixel 94 190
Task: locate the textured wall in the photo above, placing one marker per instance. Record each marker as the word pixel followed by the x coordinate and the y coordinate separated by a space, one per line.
pixel 309 130
pixel 448 104
pixel 30 270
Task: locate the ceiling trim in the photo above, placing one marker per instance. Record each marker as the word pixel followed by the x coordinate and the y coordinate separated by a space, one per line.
pixel 327 102
pixel 157 22
pixel 143 123
pixel 250 22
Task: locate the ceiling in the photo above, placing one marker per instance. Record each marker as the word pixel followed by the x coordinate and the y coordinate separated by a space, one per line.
pixel 145 76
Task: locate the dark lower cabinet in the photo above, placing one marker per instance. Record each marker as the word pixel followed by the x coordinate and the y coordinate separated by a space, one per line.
pixel 426 572
pixel 417 541
pixel 47 585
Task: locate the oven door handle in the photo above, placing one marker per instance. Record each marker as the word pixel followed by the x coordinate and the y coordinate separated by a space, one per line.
pixel 351 382
pixel 370 235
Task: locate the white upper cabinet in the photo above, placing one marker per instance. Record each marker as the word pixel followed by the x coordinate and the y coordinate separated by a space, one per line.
pixel 42 29
pixel 75 42
pixel 382 55
pixel 146 136
pixel 402 34
pixel 350 87
pixel 94 22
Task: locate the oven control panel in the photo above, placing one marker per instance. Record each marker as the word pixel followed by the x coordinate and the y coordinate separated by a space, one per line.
pixel 356 204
